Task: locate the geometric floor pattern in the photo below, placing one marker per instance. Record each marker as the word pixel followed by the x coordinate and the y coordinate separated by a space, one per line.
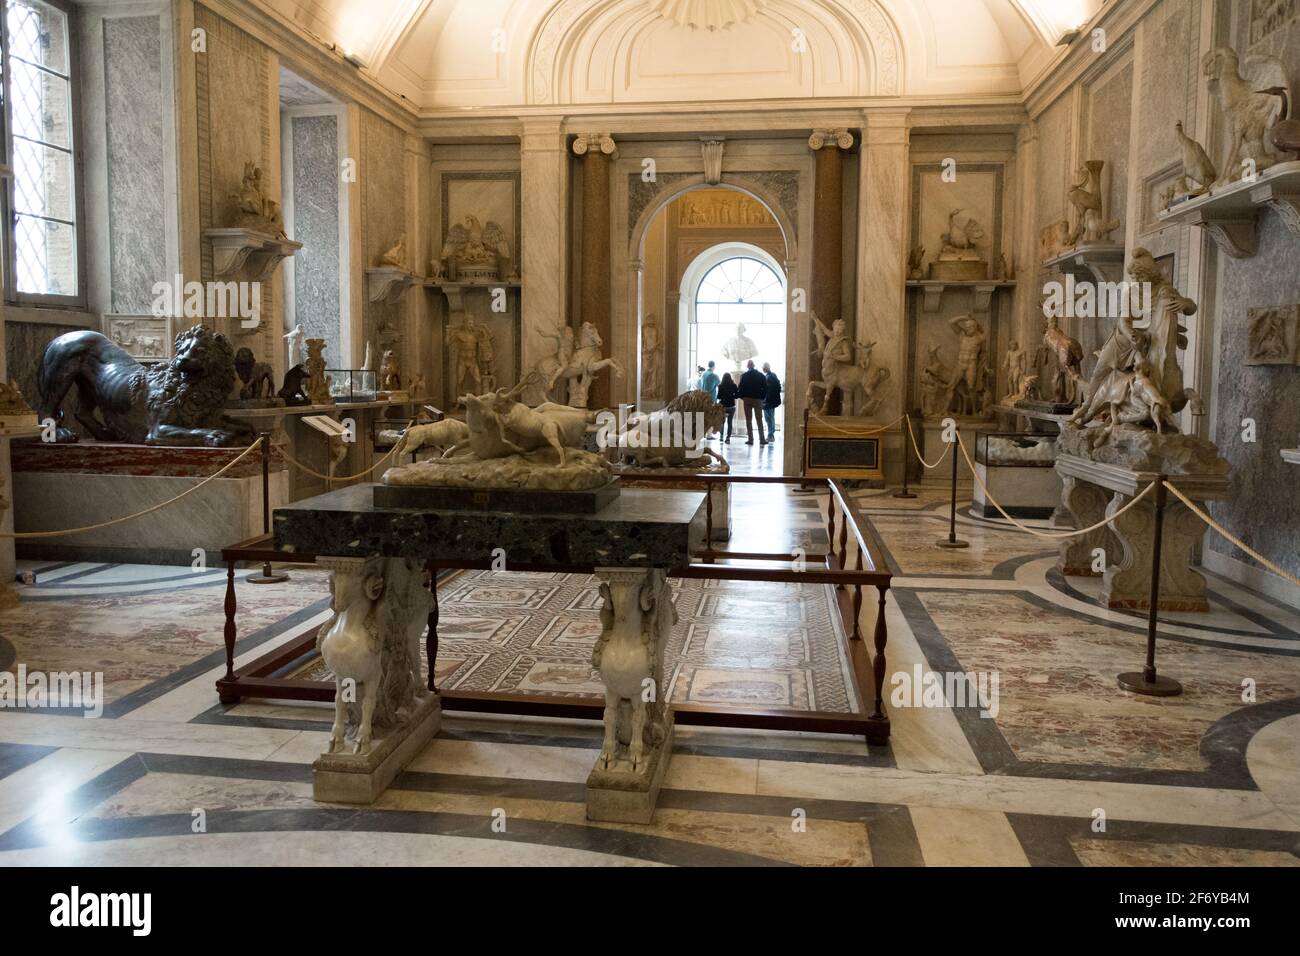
pixel 1211 777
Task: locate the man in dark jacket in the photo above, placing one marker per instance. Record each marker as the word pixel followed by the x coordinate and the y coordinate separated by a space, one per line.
pixel 771 400
pixel 753 392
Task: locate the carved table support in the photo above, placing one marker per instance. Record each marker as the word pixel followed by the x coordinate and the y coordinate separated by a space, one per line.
pixel 637 616
pixel 1086 504
pixel 1127 581
pixel 384 713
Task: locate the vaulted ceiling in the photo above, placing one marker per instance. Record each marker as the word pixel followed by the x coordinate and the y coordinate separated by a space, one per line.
pixel 457 54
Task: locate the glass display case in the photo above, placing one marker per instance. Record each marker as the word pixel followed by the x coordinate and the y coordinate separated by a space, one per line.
pixel 352 384
pixel 1017 471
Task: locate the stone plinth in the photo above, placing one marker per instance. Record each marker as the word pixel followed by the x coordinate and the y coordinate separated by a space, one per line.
pixel 76 485
pixel 1094 490
pixel 642 528
pixel 719 491
pixel 361 778
pixel 1025 492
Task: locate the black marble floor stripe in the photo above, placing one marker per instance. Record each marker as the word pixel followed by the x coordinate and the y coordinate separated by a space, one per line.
pixel 206 576
pixel 47 568
pixel 94 569
pixel 47 592
pixel 622 843
pixel 874 757
pixel 143 695
pixel 1272 629
pixel 16 756
pixel 1223 745
pixel 78 801
pixel 1048 840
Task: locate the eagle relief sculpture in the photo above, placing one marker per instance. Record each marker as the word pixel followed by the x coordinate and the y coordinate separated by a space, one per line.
pixel 167 403
pixel 474 251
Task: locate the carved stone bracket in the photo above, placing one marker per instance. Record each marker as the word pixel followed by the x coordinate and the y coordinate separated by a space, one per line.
pixel 711 151
pixel 455 291
pixel 932 293
pixel 1093 262
pixel 1230 214
pixel 388 284
pixel 243 254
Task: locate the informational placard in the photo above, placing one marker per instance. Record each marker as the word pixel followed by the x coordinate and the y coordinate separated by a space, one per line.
pixel 842 448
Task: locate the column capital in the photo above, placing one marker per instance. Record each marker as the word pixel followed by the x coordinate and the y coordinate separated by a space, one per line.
pixel 838 137
pixel 585 142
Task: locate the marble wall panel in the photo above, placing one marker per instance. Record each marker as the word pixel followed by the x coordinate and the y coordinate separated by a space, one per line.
pixel 383 220
pixel 1109 124
pixel 134 116
pixel 314 141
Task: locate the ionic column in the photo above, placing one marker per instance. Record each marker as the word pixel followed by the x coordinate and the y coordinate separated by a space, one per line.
pixel 828 147
pixel 596 150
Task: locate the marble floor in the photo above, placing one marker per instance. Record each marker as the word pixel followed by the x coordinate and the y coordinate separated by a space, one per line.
pixel 1052 766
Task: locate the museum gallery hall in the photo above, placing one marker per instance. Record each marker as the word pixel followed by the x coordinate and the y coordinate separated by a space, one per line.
pixel 588 433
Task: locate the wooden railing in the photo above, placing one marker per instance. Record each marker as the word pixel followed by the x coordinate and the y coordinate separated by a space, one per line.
pixel 852 541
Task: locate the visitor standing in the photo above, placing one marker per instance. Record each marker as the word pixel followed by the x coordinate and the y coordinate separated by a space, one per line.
pixel 771 401
pixel 709 381
pixel 753 391
pixel 727 399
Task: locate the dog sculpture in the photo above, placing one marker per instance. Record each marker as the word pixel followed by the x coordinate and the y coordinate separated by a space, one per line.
pixel 170 403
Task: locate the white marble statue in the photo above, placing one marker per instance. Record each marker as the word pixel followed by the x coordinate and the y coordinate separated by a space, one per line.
pixel 739 349
pixel 395 257
pixel 295 337
pixel 969 385
pixel 842 368
pixel 252 209
pixel 637 617
pixel 465 340
pixel 936 392
pixel 674 436
pixel 439 435
pixel 371 644
pixel 651 360
pixel 1137 380
pixel 1091 224
pixel 510 445
pixel 1064 356
pixel 390 372
pixel 964 236
pixel 582 365
pixel 368 365
pixel 1198 172
pixel 480 250
pixel 1252 97
pixel 318 383
pixel 1015 365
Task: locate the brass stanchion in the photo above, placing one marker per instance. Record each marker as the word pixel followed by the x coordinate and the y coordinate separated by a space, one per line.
pixel 1148 682
pixel 907 431
pixel 952 541
pixel 266 575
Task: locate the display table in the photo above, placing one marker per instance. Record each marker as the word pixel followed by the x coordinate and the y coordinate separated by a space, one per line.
pixel 629 544
pixel 1095 490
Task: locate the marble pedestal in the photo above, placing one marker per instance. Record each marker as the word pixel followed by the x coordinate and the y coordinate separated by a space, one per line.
pixel 719 491
pixel 361 778
pixel 1030 491
pixel 81 484
pixel 631 544
pixel 1094 490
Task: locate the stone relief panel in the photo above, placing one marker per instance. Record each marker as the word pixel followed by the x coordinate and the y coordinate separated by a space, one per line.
pixel 1268 17
pixel 489 197
pixel 1271 336
pixel 721 207
pixel 146 338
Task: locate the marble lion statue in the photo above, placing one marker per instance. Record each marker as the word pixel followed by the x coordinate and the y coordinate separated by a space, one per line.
pixel 675 434
pixel 167 403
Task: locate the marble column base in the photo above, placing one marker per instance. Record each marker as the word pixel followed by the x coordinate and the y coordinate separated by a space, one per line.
pixel 361 778
pixel 620 795
pixel 1126 585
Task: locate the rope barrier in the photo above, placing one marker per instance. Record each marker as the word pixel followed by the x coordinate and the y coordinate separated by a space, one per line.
pixel 1053 535
pixel 105 524
pixel 855 434
pixel 917 448
pixel 316 474
pixel 1194 509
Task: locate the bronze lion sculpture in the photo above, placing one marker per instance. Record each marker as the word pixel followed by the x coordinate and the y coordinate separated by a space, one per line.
pixel 168 403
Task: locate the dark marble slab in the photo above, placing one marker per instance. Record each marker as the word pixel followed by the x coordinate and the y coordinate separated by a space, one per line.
pixel 641 528
pixel 509 500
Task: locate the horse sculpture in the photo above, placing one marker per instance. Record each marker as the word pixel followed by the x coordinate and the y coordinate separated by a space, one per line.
pixel 579 368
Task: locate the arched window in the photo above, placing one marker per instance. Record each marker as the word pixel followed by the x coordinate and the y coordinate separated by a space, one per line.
pixel 744 291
